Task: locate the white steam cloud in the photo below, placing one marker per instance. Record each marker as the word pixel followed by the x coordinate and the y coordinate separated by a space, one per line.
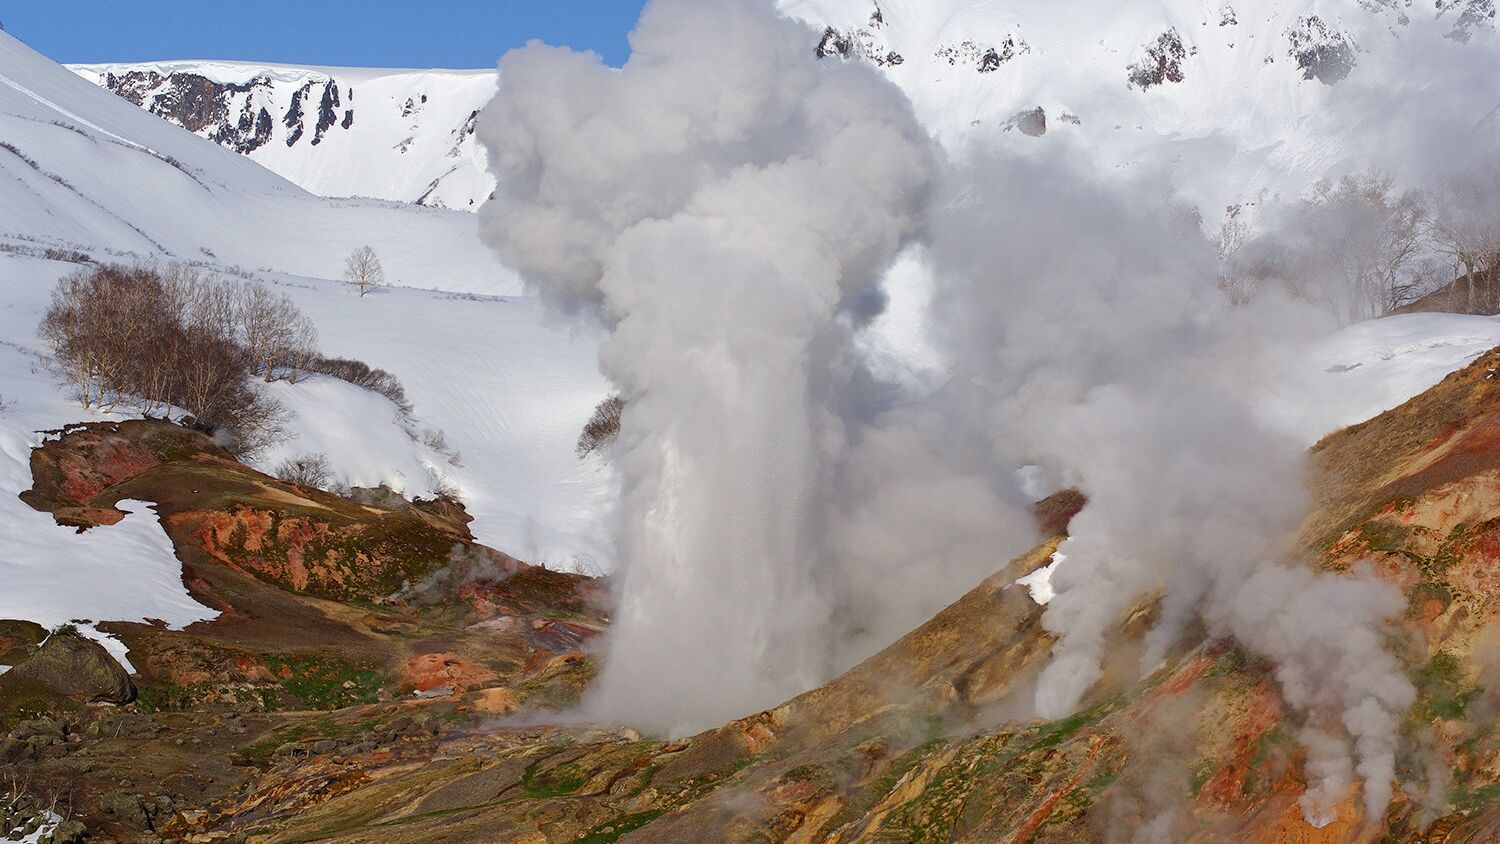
pixel 717 200
pixel 1110 360
pixel 724 203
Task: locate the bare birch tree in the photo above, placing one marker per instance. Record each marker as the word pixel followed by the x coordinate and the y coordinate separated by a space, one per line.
pixel 1465 229
pixel 1360 246
pixel 278 338
pixel 362 270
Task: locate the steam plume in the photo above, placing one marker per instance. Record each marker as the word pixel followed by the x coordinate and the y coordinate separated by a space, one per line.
pixel 1111 362
pixel 716 201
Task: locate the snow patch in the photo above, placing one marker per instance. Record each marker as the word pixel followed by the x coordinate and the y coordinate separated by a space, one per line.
pixel 1039 582
pixel 1368 368
pixel 46 829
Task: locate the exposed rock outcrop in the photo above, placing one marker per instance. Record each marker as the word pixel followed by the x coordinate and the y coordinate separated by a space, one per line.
pixel 1032 121
pixel 76 668
pixel 285 119
pixel 1161 64
pixel 1320 51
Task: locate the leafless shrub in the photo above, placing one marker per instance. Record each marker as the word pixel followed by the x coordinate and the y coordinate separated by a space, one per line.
pixel 26 159
pixel 31 818
pixel 363 271
pixel 49 253
pixel 1236 282
pixel 441 487
pixel 71 256
pixel 361 374
pixel 602 428
pixel 437 440
pixel 32 163
pixel 309 470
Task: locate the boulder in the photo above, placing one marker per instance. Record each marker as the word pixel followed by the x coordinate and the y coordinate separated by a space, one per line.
pixel 76 668
pixel 17 638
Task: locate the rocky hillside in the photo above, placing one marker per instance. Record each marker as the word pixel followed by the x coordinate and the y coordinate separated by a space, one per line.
pixel 350 689
pixel 327 604
pixel 387 134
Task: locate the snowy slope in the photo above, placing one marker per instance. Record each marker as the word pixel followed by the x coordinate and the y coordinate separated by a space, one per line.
pixel 53 575
pixel 85 168
pixel 509 388
pixel 1371 367
pixel 509 385
pixel 1245 95
pixel 404 135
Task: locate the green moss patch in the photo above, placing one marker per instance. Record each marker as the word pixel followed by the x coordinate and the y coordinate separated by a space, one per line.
pixel 609 832
pixel 1442 689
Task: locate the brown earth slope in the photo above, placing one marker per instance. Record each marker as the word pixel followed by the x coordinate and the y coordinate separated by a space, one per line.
pixel 326 603
pixel 926 741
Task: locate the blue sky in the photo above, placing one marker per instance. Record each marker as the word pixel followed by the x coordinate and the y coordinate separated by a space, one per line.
pixel 372 33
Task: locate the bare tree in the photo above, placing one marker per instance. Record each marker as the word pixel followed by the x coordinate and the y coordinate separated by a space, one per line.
pixel 1465 229
pixel 363 271
pixel 279 340
pixel 1235 280
pixel 201 302
pixel 1361 245
pixel 105 330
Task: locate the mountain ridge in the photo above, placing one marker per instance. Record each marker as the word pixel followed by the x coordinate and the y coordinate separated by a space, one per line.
pixel 1285 85
pixel 409 138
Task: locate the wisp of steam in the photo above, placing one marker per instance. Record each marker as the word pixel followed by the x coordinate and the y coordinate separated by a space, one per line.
pixel 723 203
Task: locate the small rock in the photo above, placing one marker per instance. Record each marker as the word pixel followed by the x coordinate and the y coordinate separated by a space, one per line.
pixel 127 807
pixel 70 832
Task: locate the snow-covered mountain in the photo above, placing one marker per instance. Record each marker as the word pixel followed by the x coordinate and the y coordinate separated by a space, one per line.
pixel 1246 95
pixel 1255 97
pixel 404 135
pixel 88 170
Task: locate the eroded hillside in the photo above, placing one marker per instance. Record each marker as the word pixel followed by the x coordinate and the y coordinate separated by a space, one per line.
pixel 374 676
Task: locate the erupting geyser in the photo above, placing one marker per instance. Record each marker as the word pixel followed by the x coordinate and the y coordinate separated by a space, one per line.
pixel 716 201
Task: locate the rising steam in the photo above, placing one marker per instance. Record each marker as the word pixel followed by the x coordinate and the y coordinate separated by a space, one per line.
pixel 723 204
pixel 716 201
pixel 1110 360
